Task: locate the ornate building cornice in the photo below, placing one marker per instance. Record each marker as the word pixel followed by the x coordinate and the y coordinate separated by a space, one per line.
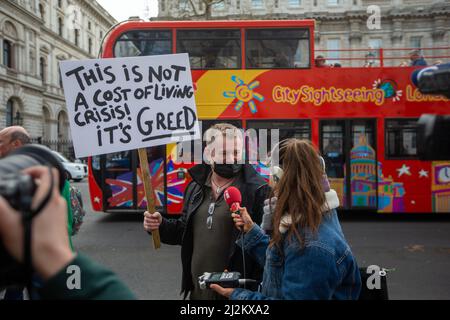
pixel 404 11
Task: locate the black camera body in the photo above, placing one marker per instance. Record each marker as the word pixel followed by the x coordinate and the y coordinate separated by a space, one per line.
pixel 15 187
pixel 18 190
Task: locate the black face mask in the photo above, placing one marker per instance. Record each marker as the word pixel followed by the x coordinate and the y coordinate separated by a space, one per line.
pixel 227 171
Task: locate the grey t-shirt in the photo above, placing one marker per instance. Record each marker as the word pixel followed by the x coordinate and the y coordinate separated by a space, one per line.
pixel 211 246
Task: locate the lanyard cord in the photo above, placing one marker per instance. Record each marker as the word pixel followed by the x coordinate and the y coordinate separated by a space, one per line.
pixel 27 218
pixel 243 256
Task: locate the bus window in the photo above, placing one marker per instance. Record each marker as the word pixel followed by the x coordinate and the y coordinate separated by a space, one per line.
pixel 401 138
pixel 277 48
pixel 186 150
pixel 211 49
pixel 144 43
pixel 333 148
pixel 299 129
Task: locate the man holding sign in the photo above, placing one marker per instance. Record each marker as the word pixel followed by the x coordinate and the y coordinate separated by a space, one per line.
pixel 205 231
pixel 123 104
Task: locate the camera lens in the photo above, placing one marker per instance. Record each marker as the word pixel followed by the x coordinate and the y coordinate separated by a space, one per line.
pixel 14 187
pixel 30 156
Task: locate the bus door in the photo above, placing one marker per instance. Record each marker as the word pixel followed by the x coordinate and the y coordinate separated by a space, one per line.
pixel 118 180
pixel 121 182
pixel 157 166
pixel 349 150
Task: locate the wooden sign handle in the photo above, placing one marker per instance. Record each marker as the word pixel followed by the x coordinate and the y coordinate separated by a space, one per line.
pixel 149 195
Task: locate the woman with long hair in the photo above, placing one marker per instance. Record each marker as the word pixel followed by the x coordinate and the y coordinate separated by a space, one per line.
pixel 307 256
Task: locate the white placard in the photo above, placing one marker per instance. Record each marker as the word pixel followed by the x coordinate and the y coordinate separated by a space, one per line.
pixel 129 103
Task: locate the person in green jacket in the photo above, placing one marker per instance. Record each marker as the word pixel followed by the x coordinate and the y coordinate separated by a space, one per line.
pixel 52 255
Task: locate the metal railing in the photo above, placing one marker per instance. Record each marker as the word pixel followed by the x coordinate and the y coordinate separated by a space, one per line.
pixel 383 57
pixel 63 146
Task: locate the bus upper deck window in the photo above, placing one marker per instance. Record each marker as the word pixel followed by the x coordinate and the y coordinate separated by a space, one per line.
pixel 211 48
pixel 143 43
pixel 278 48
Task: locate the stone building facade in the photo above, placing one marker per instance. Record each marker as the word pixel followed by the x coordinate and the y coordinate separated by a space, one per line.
pixel 35 35
pixel 342 24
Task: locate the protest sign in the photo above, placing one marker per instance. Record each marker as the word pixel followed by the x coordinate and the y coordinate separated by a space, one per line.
pixel 129 103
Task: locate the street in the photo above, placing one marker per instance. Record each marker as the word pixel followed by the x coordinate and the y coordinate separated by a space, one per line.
pixel 418 251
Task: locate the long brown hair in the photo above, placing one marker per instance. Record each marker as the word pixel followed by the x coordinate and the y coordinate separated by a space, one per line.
pixel 299 191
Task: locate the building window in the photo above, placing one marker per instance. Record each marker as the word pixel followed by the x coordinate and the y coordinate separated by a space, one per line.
pixel 163 5
pixel 60 4
pixel 9 113
pixel 333 45
pixel 415 42
pixel 89 25
pixel 90 45
pixel 401 138
pixel 59 75
pixel 42 69
pixel 31 66
pixel 7 53
pixel 184 5
pixel 294 3
pixel 62 125
pixel 219 5
pixel 277 3
pixel 101 35
pixel 238 4
pixel 46 126
pixel 77 37
pixel 333 2
pixel 257 3
pixel 42 11
pixel 60 27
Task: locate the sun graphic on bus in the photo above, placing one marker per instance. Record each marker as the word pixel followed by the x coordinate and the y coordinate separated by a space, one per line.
pixel 390 89
pixel 245 94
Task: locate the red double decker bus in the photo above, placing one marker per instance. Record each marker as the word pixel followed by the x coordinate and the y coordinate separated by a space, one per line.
pixel 261 75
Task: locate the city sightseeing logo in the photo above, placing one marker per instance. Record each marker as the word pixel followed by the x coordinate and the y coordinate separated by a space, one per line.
pixel 390 89
pixel 245 94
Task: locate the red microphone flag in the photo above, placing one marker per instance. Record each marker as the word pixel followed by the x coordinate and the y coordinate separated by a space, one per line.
pixel 233 197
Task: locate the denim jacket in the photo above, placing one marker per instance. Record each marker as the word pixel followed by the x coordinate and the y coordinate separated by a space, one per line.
pixel 324 268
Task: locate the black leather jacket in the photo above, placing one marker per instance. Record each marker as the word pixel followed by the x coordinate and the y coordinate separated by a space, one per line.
pixel 179 231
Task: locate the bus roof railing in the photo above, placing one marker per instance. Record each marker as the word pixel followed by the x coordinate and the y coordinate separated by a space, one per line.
pixel 383 57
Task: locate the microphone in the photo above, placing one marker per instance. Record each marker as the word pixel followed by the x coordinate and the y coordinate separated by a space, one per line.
pixel 233 197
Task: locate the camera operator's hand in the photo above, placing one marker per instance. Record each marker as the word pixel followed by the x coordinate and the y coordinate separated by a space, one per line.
pixel 242 220
pixel 50 240
pixel 152 221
